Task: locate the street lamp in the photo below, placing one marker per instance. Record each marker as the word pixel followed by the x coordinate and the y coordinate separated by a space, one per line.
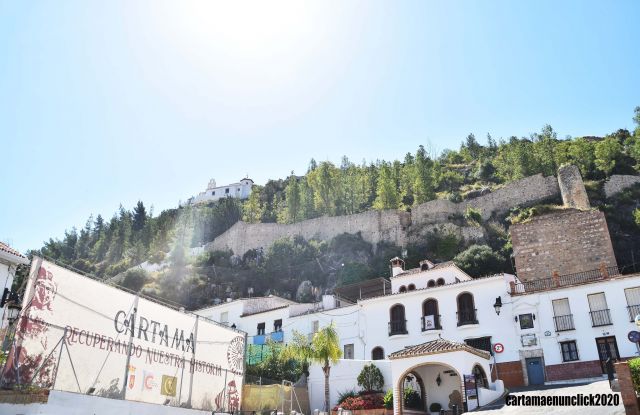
pixel 498 305
pixel 13 311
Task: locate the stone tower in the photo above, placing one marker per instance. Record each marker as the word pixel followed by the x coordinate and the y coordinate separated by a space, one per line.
pixel 574 195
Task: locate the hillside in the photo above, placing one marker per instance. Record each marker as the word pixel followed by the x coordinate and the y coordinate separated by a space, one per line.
pixel 450 183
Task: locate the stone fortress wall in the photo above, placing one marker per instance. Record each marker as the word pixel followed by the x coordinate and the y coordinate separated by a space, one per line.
pixel 396 227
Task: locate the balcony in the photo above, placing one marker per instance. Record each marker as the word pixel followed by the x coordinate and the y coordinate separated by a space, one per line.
pixel 633 311
pixel 426 323
pixel 277 336
pixel 259 339
pixel 466 317
pixel 398 327
pixel 600 318
pixel 567 280
pixel 564 323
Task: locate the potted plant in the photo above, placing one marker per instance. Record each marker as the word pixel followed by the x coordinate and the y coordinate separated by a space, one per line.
pixel 435 408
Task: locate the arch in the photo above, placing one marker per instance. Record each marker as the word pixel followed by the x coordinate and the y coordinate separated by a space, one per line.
pixel 397 320
pixel 377 353
pixel 430 308
pixel 466 309
pixel 402 289
pixel 440 281
pixel 399 403
pixel 411 287
pixel 481 377
pixel 424 267
pixel 431 283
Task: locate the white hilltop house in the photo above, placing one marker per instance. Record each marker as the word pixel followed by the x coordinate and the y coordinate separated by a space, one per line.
pixel 428 327
pixel 9 261
pixel 240 190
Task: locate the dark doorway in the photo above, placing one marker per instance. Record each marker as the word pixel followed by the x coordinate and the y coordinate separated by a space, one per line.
pixel 535 371
pixel 607 347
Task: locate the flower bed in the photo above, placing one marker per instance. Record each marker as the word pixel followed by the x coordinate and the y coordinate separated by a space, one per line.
pixel 366 402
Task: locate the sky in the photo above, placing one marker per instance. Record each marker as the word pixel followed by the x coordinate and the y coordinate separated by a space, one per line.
pixel 103 103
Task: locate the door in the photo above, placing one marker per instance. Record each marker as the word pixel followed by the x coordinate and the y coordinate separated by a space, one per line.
pixel 607 347
pixel 535 371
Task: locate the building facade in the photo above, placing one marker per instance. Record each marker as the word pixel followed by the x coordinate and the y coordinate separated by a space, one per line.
pixel 532 332
pixel 9 261
pixel 240 190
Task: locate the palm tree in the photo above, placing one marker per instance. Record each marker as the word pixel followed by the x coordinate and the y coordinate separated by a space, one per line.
pixel 324 349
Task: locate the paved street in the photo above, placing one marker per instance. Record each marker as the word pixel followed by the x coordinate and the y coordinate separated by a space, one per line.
pixel 559 390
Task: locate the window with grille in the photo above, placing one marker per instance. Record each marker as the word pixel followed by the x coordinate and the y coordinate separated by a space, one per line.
pixel 526 321
pixel 569 351
pixel 277 325
pixel 261 329
pixel 348 351
pixel 481 343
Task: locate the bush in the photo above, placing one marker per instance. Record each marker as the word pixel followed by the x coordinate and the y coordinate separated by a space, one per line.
pixel 412 399
pixel 342 396
pixel 370 378
pixel 134 279
pixel 388 399
pixel 478 260
pixel 634 366
pixel 362 402
pixel 473 216
pixel 435 407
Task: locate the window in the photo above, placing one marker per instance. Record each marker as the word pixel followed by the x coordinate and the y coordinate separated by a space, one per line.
pixel 260 329
pixel 348 351
pixel 213 193
pixel 377 353
pixel 431 283
pixel 397 323
pixel 226 190
pixel 526 321
pixel 562 315
pixel 430 317
pixel 224 317
pixel 569 351
pixel 277 325
pixel 481 377
pixel 440 281
pixel 238 189
pixel 411 287
pixel 480 343
pixel 402 289
pixel 599 311
pixel 633 302
pixel 466 310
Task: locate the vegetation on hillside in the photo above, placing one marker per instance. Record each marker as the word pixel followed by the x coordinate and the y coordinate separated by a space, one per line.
pixel 110 247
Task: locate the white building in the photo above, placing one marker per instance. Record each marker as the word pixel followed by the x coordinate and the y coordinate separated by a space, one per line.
pixel 9 261
pixel 240 190
pixel 521 333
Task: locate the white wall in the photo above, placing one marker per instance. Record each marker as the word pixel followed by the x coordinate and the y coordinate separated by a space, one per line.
pixel 342 378
pixel 421 279
pixel 67 403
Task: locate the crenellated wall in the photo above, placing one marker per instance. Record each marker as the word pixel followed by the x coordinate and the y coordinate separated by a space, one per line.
pixel 395 226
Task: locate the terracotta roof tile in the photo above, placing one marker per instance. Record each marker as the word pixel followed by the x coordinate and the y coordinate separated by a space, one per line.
pixel 6 248
pixel 435 347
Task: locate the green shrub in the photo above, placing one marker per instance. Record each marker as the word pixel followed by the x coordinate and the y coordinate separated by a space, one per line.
pixel 134 279
pixel 412 399
pixel 435 407
pixel 478 260
pixel 370 378
pixel 473 216
pixel 388 399
pixel 634 366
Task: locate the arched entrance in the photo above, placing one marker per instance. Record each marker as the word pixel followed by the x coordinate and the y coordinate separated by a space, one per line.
pixel 429 386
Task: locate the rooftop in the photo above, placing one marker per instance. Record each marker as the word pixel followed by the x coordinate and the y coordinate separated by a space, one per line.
pixel 435 347
pixel 418 270
pixel 8 251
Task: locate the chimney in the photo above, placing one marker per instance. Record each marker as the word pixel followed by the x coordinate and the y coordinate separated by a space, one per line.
pixel 397 266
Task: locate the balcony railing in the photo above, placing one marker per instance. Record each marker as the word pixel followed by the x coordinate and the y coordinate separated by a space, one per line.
pixel 564 323
pixel 397 327
pixel 600 318
pixel 633 310
pixel 467 317
pixel 426 323
pixel 566 280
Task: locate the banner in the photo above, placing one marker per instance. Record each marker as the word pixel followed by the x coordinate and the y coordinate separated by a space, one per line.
pixel 429 322
pixel 80 335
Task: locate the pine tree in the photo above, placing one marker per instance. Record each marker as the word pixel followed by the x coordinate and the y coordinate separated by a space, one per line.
pixel 139 217
pixel 293 210
pixel 387 194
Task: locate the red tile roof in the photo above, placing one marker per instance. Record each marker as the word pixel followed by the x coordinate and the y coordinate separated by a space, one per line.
pixel 6 248
pixel 435 347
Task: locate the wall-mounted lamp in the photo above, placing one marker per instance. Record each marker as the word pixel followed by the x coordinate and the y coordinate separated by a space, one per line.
pixel 438 380
pixel 498 305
